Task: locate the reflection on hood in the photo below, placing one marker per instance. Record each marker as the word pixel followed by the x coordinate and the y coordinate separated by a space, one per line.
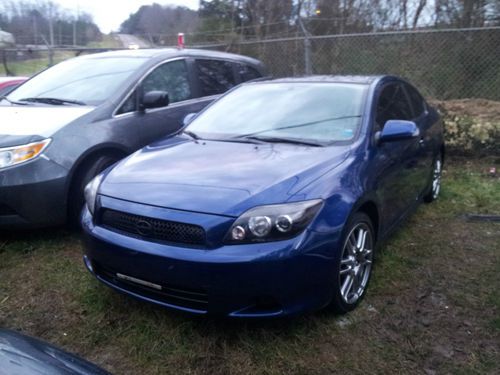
pixel 24 124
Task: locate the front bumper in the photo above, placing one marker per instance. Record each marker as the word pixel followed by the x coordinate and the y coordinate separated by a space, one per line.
pixel 252 280
pixel 33 194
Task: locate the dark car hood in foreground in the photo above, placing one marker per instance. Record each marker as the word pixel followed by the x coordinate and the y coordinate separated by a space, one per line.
pixel 25 355
pixel 216 177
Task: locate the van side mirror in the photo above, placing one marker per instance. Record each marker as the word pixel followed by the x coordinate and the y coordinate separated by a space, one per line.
pixel 398 130
pixel 154 99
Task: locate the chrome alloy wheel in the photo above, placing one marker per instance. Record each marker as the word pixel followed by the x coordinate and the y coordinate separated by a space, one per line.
pixel 436 178
pixel 356 263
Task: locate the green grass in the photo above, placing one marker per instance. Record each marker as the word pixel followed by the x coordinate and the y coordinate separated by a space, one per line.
pixel 31 66
pixel 34 65
pixel 433 304
pixel 25 68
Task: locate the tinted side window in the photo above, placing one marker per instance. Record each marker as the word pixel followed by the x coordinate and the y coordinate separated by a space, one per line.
pixel 216 76
pixel 171 77
pixel 247 73
pixel 416 101
pixel 392 105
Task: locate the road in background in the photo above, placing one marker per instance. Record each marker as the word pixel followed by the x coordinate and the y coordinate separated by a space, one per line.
pixel 131 41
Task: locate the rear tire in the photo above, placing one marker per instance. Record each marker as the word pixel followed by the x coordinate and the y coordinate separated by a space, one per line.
pixel 353 267
pixel 435 184
pixel 85 174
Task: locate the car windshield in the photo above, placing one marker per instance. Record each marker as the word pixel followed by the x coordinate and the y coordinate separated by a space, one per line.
pixel 78 81
pixel 312 112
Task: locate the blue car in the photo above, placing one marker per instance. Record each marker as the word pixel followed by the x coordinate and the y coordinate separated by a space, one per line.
pixel 270 201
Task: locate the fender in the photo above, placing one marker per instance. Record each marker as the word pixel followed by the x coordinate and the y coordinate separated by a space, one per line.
pixel 103 148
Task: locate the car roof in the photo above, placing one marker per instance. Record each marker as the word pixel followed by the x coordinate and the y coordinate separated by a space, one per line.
pixel 360 79
pixel 163 53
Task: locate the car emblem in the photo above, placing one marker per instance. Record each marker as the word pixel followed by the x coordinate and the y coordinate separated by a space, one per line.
pixel 143 228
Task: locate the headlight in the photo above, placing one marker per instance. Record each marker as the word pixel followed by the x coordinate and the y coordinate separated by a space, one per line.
pixel 273 222
pixel 90 192
pixel 10 156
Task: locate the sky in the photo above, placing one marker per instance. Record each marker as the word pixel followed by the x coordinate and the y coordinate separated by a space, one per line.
pixel 109 14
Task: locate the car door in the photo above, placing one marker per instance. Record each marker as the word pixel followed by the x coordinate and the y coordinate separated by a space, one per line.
pixel 425 155
pixel 192 84
pixel 395 162
pixel 152 124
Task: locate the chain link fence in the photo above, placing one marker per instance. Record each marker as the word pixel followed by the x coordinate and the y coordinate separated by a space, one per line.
pixel 444 64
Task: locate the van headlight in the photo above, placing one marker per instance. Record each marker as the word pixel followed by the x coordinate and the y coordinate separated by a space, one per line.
pixel 10 156
pixel 90 192
pixel 273 222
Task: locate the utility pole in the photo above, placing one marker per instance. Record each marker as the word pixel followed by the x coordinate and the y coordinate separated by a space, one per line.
pixel 49 50
pixel 75 21
pixel 35 27
pixel 74 32
pixel 51 24
pixel 59 28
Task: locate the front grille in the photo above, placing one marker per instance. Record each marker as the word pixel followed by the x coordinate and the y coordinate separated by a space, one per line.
pixel 194 299
pixel 153 229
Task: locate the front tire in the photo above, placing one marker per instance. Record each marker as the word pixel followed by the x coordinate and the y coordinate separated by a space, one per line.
pixel 435 185
pixel 84 175
pixel 354 264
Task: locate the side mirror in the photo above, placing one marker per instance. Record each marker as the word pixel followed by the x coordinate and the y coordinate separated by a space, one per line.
pixel 154 99
pixel 189 117
pixel 398 130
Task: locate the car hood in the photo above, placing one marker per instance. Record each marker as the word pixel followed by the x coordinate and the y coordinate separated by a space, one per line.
pixel 20 354
pixel 30 123
pixel 224 178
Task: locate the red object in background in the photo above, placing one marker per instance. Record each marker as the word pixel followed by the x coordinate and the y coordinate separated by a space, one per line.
pixel 10 82
pixel 180 40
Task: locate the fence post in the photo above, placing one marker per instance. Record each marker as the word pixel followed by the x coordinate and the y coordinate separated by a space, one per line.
pixel 307 55
pixel 4 62
pixel 50 51
pixel 307 47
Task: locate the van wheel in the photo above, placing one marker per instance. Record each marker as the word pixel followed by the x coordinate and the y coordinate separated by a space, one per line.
pixel 85 174
pixel 354 265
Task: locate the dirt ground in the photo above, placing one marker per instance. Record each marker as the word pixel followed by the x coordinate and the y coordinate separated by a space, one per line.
pixel 477 108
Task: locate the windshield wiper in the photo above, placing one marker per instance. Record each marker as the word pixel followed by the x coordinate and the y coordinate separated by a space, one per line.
pixel 191 134
pixel 52 101
pixel 196 137
pixel 294 141
pixel 254 140
pixel 12 101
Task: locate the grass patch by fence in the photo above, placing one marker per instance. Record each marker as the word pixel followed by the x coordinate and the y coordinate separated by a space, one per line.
pixel 29 66
pixel 26 63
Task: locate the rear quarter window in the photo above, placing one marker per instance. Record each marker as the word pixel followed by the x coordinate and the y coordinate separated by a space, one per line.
pixel 392 105
pixel 416 100
pixel 248 73
pixel 215 76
